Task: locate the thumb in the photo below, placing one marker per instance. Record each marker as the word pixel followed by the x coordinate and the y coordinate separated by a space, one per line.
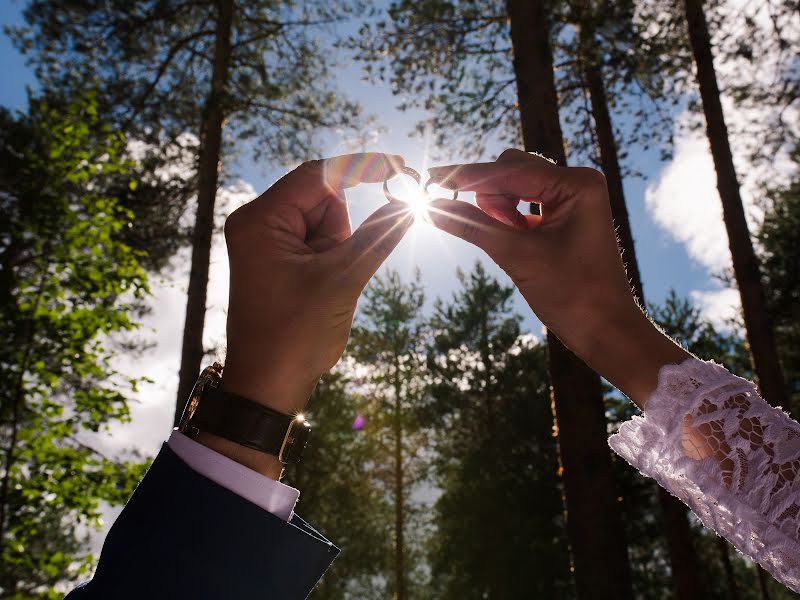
pixel 471 224
pixel 360 255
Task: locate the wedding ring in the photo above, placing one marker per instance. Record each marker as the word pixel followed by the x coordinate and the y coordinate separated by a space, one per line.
pixel 434 180
pixel 404 171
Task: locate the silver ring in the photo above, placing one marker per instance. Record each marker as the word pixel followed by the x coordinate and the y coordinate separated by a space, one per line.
pixel 404 171
pixel 433 180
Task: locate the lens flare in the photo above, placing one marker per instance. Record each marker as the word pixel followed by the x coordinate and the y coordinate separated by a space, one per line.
pixel 405 188
pixel 358 423
pixel 417 201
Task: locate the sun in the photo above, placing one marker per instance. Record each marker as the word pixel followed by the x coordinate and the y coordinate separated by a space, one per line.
pixel 407 190
pixel 417 201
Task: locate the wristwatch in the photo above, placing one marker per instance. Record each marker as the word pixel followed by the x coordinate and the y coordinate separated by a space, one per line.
pixel 245 422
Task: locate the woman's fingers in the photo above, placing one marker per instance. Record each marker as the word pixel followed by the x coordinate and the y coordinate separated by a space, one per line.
pixel 502 208
pixel 473 225
pixel 520 176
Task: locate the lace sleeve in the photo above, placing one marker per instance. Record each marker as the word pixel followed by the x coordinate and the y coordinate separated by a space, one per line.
pixel 714 443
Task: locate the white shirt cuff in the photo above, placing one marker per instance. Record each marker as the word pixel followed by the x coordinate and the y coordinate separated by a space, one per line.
pixel 271 495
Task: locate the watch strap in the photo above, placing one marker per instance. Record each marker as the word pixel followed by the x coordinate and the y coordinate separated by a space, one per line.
pixel 240 420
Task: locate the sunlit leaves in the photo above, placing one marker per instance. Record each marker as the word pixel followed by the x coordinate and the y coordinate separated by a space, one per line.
pixel 69 284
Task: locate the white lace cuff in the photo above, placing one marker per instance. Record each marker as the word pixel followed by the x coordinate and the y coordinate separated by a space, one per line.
pixel 714 443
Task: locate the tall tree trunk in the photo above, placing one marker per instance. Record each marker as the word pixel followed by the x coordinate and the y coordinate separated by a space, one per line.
pixel 745 263
pixel 208 175
pixel 675 520
pixel 762 583
pixel 594 522
pixel 730 579
pixel 399 542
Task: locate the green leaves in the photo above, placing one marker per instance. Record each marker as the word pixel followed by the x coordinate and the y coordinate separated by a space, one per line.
pixel 69 284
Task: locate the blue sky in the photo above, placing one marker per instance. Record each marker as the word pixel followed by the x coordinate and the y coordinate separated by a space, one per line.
pixel 678 233
pixel 663 262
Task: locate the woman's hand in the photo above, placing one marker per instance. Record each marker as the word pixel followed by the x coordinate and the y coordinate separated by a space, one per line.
pixel 297 271
pixel 565 262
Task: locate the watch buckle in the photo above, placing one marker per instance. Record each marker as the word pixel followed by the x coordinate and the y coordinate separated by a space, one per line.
pixel 211 376
pixel 295 440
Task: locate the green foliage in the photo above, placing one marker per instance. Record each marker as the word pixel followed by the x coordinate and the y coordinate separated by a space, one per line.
pixel 389 342
pixel 154 62
pixel 780 267
pixel 454 59
pixel 499 520
pixel 339 493
pixel 67 284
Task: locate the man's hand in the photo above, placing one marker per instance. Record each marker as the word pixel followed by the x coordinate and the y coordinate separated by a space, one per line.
pixel 566 261
pixel 297 271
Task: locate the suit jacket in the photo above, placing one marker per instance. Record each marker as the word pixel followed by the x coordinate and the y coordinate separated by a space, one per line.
pixel 183 536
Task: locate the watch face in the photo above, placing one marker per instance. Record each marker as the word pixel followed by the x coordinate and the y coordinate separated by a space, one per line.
pixel 295 441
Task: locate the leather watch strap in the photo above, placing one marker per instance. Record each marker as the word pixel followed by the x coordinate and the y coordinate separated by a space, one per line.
pixel 240 420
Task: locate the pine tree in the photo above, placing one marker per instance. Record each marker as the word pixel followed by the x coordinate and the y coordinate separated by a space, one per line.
pixel 594 522
pixel 390 337
pixel 258 70
pixel 340 493
pixel 463 66
pixel 594 20
pixel 500 530
pixel 746 268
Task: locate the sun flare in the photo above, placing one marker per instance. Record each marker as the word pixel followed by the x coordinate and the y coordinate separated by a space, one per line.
pixel 409 192
pixel 417 201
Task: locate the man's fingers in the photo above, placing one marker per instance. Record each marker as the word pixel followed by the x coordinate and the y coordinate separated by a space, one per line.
pixel 366 167
pixel 328 224
pixel 360 255
pixel 310 183
pixel 471 224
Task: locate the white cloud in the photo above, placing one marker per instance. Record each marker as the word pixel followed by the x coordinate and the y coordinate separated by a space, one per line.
pixel 684 202
pixel 720 306
pixel 155 403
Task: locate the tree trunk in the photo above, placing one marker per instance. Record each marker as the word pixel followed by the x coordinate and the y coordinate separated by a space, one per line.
pixel 762 583
pixel 399 543
pixel 745 263
pixel 208 174
pixel 675 520
pixel 733 589
pixel 682 555
pixel 594 522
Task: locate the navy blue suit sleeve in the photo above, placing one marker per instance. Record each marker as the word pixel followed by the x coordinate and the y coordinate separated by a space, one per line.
pixel 183 536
